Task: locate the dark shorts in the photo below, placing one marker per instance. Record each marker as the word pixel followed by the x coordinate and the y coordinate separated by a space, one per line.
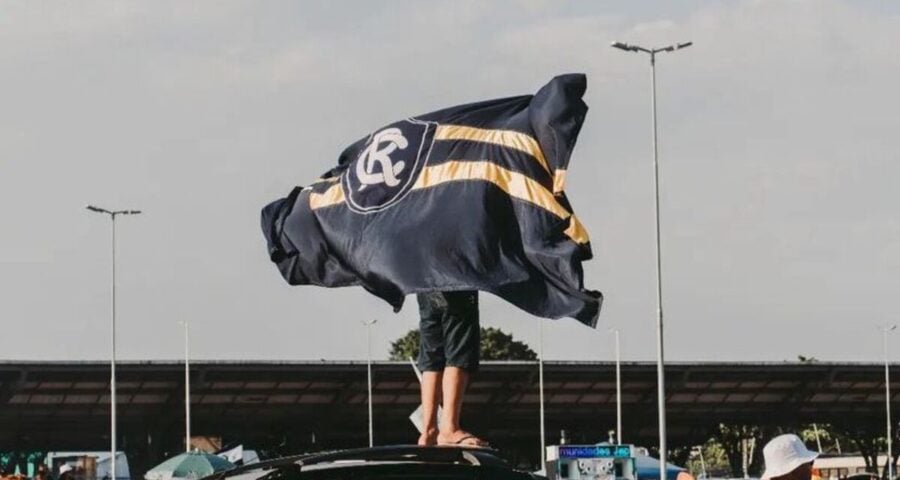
pixel 450 333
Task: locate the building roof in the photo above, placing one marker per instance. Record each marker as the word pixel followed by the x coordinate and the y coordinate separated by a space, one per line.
pixel 43 403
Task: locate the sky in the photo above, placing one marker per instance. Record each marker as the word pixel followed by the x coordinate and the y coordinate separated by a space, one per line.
pixel 780 216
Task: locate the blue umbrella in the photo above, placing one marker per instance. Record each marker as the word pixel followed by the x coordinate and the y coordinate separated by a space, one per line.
pixel 647 468
pixel 190 465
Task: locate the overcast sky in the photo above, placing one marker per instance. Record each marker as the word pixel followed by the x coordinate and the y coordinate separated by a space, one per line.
pixel 778 148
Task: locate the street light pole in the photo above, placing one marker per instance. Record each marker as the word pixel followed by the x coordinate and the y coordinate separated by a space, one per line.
pixel 541 393
pixel 187 388
pixel 699 450
pixel 887 401
pixel 818 438
pixel 112 371
pixel 369 375
pixel 618 389
pixel 660 369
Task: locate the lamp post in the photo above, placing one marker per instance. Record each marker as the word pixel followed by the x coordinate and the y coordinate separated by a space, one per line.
pixel 541 392
pixel 887 401
pixel 112 371
pixel 368 325
pixel 187 388
pixel 618 388
pixel 660 370
pixel 699 450
pixel 818 438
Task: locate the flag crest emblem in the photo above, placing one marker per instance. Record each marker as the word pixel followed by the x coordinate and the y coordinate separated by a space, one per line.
pixel 388 165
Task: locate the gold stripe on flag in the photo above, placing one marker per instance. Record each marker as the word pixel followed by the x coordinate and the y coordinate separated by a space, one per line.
pixel 332 196
pixel 559 180
pixel 514 184
pixel 326 180
pixel 504 138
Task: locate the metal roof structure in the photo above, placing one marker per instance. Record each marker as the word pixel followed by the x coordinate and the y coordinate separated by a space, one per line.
pixel 301 406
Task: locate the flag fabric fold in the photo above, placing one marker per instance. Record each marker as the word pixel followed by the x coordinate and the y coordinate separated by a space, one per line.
pixel 466 198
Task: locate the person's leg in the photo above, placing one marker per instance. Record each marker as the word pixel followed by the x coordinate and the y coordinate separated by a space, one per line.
pixel 431 362
pixel 454 389
pixel 431 398
pixel 462 345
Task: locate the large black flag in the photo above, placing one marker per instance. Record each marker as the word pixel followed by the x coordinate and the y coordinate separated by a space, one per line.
pixel 466 198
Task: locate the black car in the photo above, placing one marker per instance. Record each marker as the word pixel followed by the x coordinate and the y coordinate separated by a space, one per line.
pixel 864 476
pixel 398 462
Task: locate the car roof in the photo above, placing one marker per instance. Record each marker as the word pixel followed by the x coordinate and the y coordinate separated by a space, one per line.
pixel 372 457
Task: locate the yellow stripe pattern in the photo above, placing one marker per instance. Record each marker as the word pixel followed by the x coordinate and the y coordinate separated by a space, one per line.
pixel 332 196
pixel 504 138
pixel 513 183
pixel 326 180
pixel 559 180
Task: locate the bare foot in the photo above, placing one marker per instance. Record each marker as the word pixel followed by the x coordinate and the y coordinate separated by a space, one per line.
pixel 428 438
pixel 460 437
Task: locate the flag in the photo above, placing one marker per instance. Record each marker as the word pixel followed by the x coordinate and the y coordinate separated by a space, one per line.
pixel 466 198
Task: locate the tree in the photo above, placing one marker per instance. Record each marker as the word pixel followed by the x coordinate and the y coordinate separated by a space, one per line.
pixel 868 442
pixel 714 459
pixel 495 345
pixel 742 445
pixel 821 434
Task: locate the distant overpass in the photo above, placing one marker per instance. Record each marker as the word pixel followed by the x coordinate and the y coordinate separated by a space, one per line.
pixel 288 407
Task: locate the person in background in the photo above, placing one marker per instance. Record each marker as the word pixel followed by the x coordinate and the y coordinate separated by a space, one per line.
pixel 42 473
pixel 787 458
pixel 66 472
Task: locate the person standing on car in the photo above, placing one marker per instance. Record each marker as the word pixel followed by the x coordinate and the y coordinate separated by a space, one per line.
pixel 449 352
pixel 787 458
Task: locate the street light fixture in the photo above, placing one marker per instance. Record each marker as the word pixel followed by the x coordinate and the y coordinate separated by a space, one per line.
pixel 660 370
pixel 112 371
pixel 652 51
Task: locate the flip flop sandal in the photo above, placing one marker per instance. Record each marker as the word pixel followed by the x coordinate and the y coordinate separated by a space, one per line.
pixel 467 437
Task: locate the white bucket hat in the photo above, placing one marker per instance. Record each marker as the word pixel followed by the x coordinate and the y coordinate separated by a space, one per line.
pixel 785 453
